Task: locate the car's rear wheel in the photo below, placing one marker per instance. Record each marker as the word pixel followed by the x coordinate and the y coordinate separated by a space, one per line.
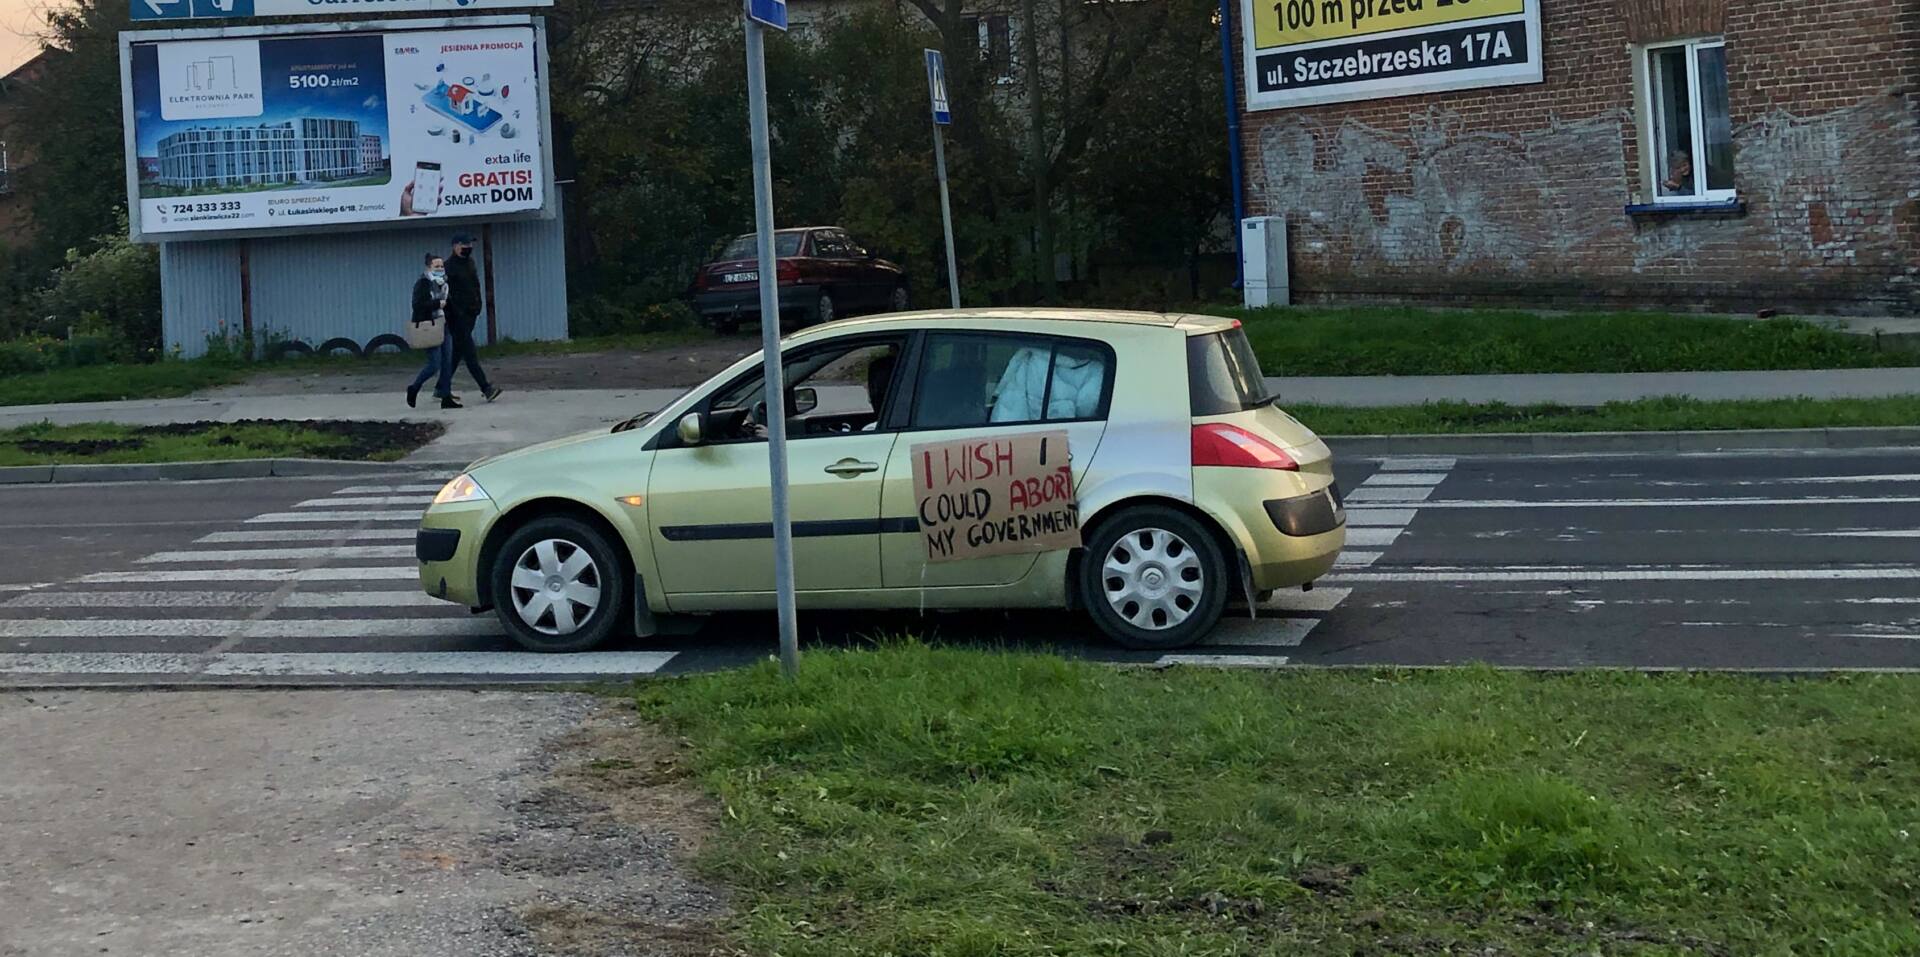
pixel 900 301
pixel 1153 578
pixel 727 326
pixel 823 311
pixel 558 585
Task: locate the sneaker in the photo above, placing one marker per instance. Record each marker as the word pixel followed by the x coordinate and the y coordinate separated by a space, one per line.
pixel 449 402
pixel 492 393
pixel 413 396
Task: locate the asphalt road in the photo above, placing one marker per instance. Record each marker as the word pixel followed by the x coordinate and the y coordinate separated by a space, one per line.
pixel 1776 560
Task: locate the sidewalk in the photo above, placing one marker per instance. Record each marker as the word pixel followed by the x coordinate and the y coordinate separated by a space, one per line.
pixel 523 417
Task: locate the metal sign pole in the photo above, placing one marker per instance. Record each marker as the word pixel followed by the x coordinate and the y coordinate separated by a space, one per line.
pixel 776 390
pixel 946 215
pixel 942 115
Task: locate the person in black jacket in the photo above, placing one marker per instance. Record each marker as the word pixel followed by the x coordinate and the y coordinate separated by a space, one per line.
pixel 429 303
pixel 463 310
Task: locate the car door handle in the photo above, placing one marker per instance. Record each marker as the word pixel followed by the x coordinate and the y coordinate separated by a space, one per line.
pixel 848 468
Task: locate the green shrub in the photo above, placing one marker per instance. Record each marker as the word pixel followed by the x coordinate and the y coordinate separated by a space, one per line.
pixel 604 316
pixel 27 355
pixel 111 289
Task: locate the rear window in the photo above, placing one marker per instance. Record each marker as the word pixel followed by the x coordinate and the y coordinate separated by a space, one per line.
pixel 747 247
pixel 1222 373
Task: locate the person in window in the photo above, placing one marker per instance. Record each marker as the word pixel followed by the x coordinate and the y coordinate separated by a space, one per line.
pixel 1679 173
pixel 879 378
pixel 1077 382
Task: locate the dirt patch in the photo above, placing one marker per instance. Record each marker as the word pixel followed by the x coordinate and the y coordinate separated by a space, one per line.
pixel 623 784
pixel 363 440
pixel 77 446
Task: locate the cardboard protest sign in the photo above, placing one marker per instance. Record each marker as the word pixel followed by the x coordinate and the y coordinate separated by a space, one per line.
pixel 996 495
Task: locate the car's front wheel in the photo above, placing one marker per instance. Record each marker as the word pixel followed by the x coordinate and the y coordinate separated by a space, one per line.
pixel 1153 578
pixel 558 585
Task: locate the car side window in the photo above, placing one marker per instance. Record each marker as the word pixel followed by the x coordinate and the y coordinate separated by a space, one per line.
pixel 828 244
pixel 850 384
pixel 975 380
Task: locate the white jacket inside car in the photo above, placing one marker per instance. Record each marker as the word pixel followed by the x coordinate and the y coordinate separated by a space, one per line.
pixel 1077 384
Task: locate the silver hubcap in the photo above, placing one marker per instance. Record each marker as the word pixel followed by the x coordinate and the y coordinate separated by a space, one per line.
pixel 899 300
pixel 826 308
pixel 1153 579
pixel 556 587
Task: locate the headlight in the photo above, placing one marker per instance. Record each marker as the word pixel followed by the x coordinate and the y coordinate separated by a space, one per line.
pixel 462 489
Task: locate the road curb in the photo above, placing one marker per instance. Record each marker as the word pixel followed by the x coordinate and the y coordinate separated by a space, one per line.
pixel 200 471
pixel 1590 443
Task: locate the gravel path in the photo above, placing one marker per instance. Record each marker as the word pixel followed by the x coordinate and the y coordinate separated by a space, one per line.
pixel 365 823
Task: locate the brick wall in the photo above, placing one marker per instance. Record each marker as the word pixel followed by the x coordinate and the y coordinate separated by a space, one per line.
pixel 1518 194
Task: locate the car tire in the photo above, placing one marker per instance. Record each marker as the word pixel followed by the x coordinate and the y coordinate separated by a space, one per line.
pixel 290 348
pixel 1154 578
pixel 591 594
pixel 823 310
pixel 900 301
pixel 338 345
pixel 728 326
pixel 385 340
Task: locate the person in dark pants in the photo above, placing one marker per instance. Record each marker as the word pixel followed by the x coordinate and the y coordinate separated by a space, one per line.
pixel 429 304
pixel 464 305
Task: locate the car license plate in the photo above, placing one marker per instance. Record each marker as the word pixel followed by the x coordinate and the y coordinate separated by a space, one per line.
pixel 741 277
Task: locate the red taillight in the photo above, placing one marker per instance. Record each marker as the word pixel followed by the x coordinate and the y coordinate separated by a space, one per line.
pixel 702 279
pixel 1230 446
pixel 787 271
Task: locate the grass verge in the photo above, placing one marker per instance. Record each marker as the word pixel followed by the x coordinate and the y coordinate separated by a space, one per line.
pixel 46 444
pixel 1669 414
pixel 1402 341
pixel 912 800
pixel 105 383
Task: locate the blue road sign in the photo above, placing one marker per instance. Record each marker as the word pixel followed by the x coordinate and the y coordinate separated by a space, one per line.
pixel 771 13
pixel 937 87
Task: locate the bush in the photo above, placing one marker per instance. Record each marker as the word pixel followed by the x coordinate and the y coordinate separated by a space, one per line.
pixel 111 291
pixel 28 355
pixel 603 316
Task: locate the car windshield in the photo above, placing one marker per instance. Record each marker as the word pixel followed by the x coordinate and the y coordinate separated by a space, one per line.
pixel 745 247
pixel 1223 374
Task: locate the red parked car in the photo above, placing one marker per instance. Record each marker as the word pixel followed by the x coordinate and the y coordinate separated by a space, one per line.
pixel 823 274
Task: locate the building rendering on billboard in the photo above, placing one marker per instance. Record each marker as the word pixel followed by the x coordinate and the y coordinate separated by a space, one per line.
pixel 1300 52
pixel 296 131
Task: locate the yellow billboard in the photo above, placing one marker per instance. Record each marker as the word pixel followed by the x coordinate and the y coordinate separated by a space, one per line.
pixel 1288 22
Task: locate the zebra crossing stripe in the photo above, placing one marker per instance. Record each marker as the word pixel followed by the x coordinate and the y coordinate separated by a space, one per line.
pixel 379 573
pixel 421 500
pixel 1361 515
pixel 1353 559
pixel 246 628
pixel 338 518
pixel 223 599
pixel 1389 493
pixel 1418 463
pixel 1403 478
pixel 1380 537
pixel 280 554
pixel 338 664
pixel 1261 632
pixel 388 489
pixel 1224 661
pixel 306 535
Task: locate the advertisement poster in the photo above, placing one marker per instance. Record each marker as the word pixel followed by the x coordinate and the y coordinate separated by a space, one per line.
pixel 288 133
pixel 998 495
pixel 1301 52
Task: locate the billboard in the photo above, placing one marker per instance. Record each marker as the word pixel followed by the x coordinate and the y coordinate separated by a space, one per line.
pixel 244 9
pixel 266 132
pixel 1302 52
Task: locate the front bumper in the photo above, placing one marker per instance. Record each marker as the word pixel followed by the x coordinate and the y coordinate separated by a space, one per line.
pixel 746 302
pixel 448 549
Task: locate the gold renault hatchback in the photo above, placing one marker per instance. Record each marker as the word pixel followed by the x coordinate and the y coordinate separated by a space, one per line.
pixel 1190 485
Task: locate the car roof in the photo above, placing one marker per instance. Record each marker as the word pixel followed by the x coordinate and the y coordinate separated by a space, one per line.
pixel 1189 323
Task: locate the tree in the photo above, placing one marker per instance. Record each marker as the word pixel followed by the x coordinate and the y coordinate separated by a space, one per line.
pixel 71 121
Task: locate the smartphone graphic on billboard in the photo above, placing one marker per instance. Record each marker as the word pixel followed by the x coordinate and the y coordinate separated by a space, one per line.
pixel 426 187
pixel 459 103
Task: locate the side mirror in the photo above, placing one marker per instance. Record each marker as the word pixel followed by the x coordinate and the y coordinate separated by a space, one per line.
pixel 869 254
pixel 690 428
pixel 805 400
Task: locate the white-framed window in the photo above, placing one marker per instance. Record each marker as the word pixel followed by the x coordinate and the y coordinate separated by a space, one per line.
pixel 1685 125
pixel 996 33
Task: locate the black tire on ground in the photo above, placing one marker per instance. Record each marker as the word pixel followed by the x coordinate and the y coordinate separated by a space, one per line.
pixel 385 340
pixel 824 310
pixel 900 301
pixel 340 344
pixel 727 325
pixel 1172 556
pixel 291 347
pixel 605 574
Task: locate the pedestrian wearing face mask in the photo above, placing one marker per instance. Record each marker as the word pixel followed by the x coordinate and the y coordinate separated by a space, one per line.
pixel 463 310
pixel 429 320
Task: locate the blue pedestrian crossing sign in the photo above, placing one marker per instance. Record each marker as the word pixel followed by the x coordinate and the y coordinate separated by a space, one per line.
pixel 937 87
pixel 772 13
